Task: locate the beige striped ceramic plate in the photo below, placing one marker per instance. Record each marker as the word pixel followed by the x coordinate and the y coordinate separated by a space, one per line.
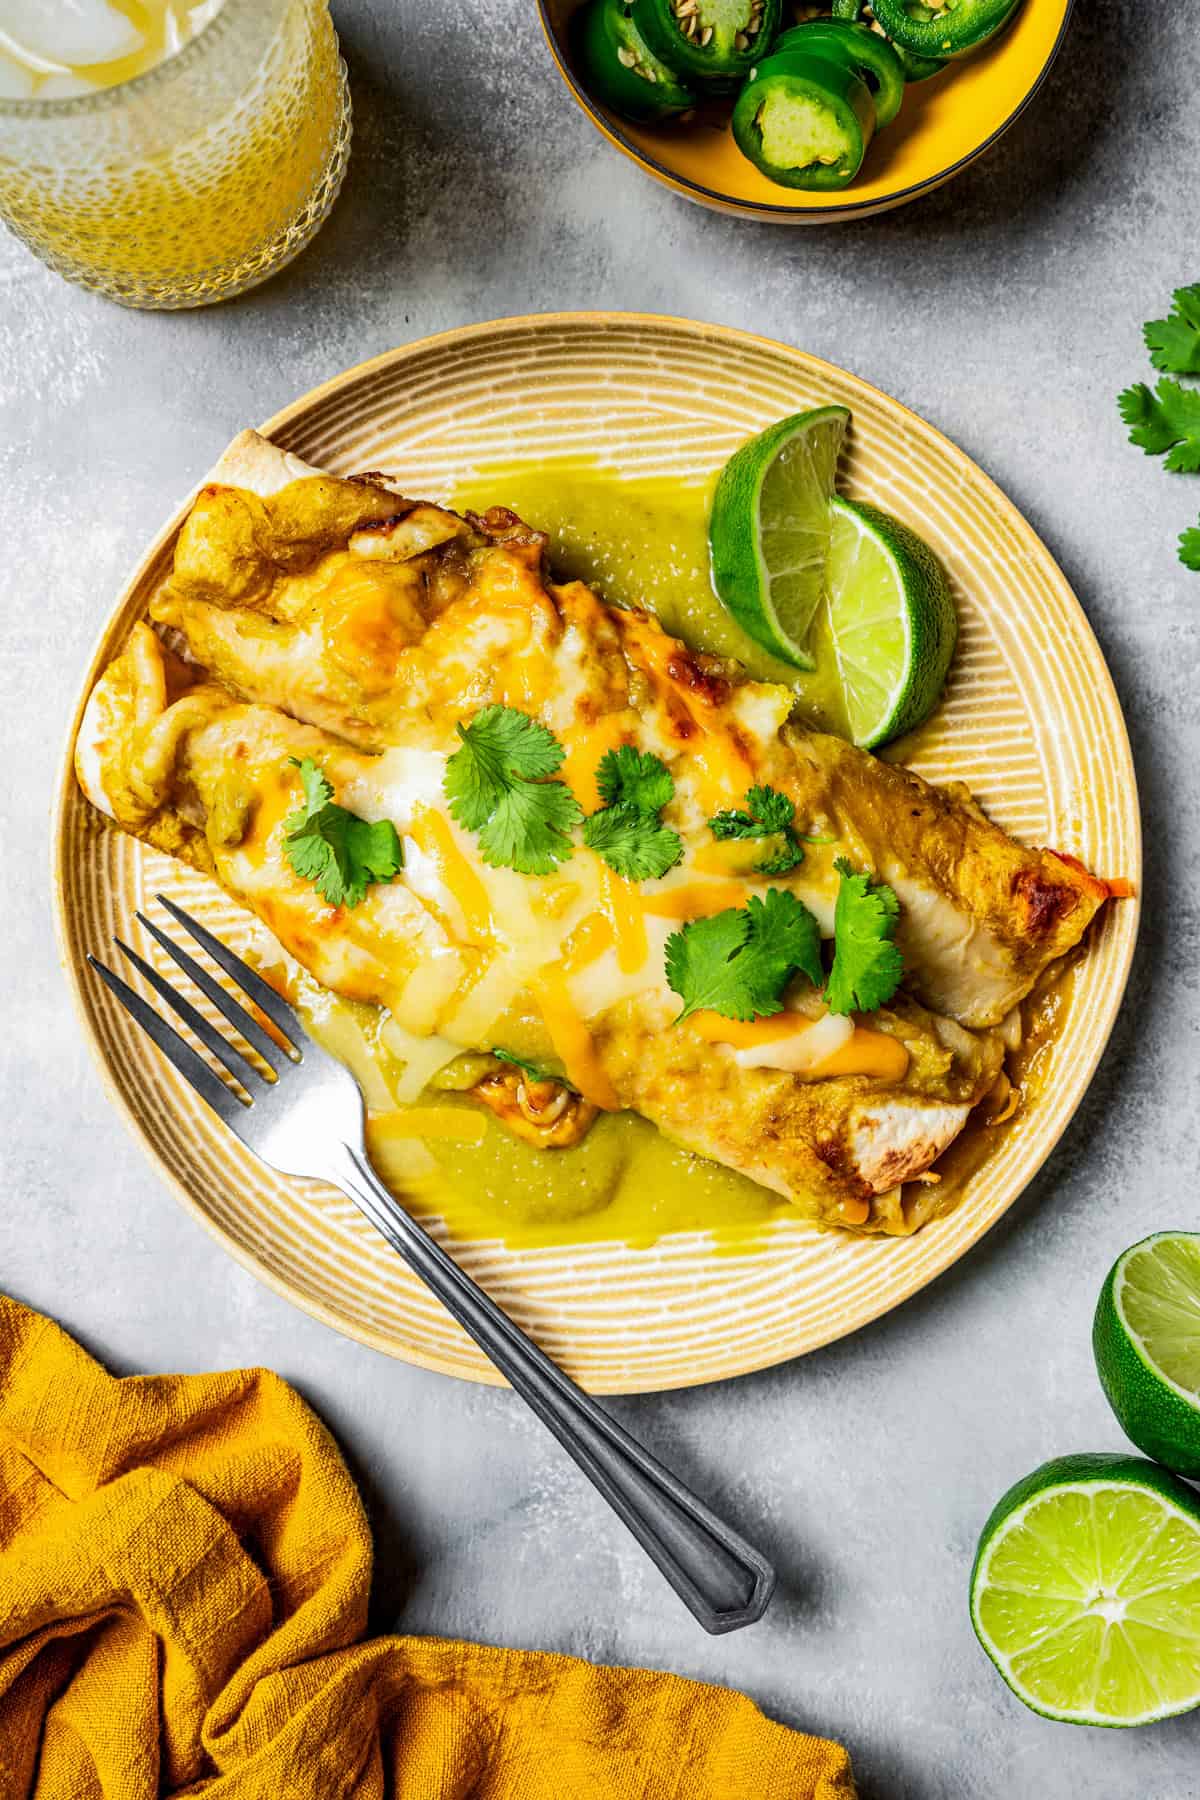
pixel 1030 721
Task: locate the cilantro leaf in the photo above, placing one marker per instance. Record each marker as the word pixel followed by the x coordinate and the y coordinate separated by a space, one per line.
pixel 767 813
pixel 629 777
pixel 317 791
pixel 1174 342
pixel 1137 408
pixel 1165 419
pixel 738 962
pixel 340 853
pixel 1189 548
pixel 867 965
pixel 496 786
pixel 627 831
pixel 785 934
pixel 500 745
pixel 632 842
pixel 530 829
pixel 700 959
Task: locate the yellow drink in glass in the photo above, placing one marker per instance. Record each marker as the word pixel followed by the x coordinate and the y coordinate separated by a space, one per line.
pixel 169 153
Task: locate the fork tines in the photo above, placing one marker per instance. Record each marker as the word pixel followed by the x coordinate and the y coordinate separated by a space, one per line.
pixel 225 1100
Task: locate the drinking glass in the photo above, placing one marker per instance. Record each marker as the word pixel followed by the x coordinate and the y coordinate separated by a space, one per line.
pixel 197 179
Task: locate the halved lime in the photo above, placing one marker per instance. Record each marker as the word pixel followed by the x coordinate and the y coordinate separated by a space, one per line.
pixel 890 622
pixel 768 531
pixel 1086 1591
pixel 1146 1340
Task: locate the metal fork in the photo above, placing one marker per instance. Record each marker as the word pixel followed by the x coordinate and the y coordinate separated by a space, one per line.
pixel 306 1118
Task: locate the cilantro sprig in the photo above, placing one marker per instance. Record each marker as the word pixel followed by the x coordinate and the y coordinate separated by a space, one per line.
pixel 633 844
pixel 867 965
pixel 766 814
pixel 1165 418
pixel 339 852
pixel 498 786
pixel 1174 342
pixel 738 962
pixel 627 831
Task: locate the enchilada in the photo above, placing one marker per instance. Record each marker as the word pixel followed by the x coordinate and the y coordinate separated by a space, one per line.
pixel 307 617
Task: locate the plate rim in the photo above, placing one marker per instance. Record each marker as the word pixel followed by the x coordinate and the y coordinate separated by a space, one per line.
pixel 65 787
pixel 776 212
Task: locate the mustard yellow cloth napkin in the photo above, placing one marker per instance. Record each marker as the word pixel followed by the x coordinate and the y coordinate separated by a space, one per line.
pixel 184 1571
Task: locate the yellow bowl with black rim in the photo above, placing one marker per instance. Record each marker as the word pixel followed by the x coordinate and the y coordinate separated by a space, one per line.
pixel 945 124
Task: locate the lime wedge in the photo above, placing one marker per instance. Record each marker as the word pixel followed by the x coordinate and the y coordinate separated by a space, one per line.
pixel 890 622
pixel 1085 1591
pixel 1146 1339
pixel 768 531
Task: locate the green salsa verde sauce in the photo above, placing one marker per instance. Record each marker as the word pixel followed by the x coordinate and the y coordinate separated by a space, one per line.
pixel 625 1182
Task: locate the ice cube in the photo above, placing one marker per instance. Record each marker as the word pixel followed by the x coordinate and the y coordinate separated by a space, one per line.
pixel 71 32
pixel 16 83
pixel 182 22
pixel 204 14
pixel 66 87
pixel 174 34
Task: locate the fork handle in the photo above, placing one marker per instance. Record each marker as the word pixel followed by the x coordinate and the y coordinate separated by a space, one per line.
pixel 724 1581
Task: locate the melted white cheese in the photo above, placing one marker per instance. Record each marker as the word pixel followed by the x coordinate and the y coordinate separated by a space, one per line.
pixel 400 781
pixel 804 1051
pixel 422 1058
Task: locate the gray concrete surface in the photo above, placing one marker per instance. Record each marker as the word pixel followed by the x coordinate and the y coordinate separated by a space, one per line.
pixel 1007 309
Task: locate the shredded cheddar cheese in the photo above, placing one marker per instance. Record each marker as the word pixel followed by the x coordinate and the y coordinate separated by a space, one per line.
pixel 730 858
pixel 586 747
pixel 573 1042
pixel 433 834
pixel 695 900
pixel 868 1052
pixel 623 907
pixel 864 1051
pixel 450 1124
pixel 744 1033
pixel 588 942
pixel 724 771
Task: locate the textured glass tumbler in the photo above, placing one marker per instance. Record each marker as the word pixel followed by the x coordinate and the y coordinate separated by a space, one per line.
pixel 196 180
